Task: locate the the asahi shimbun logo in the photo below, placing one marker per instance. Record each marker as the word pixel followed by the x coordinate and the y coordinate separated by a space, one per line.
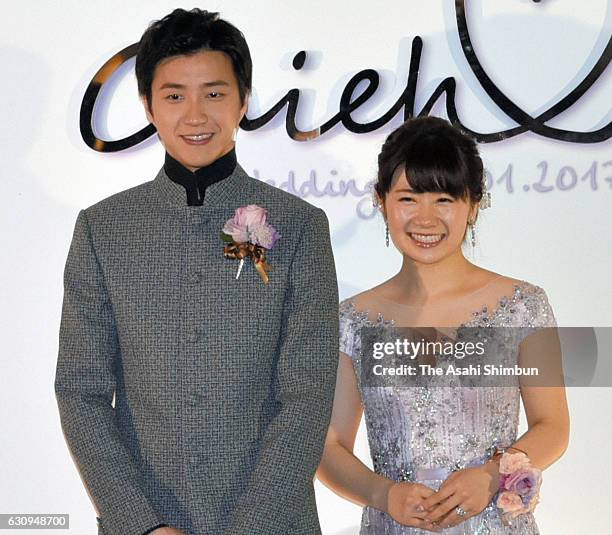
pixel 405 103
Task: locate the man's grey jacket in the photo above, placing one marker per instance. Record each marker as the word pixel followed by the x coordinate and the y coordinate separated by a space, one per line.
pixel 187 396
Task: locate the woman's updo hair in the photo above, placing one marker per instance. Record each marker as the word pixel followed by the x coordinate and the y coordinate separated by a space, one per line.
pixel 436 156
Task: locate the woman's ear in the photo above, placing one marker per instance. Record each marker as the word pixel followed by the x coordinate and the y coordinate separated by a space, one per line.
pixel 380 202
pixel 473 214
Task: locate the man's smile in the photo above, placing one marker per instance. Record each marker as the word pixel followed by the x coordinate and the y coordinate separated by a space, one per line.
pixel 197 139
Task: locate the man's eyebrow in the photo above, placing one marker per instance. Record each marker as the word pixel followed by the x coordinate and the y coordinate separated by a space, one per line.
pixel 172 85
pixel 215 82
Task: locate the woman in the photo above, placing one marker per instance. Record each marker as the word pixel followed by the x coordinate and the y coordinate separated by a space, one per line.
pixel 437 451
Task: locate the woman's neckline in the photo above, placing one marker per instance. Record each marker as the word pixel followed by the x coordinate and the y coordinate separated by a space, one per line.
pixel 442 305
pixel 483 313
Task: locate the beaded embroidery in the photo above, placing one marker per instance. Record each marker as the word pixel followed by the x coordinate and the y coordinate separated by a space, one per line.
pixel 442 428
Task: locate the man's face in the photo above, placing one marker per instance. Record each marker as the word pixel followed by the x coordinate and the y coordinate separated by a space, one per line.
pixel 195 106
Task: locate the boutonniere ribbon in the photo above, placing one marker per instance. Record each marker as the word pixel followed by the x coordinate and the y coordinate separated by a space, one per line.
pixel 249 235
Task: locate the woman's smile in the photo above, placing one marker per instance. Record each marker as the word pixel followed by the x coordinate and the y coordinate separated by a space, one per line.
pixel 426 241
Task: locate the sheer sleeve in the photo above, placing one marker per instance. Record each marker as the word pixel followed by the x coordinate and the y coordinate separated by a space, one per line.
pixel 540 312
pixel 540 345
pixel 347 332
pixel 537 311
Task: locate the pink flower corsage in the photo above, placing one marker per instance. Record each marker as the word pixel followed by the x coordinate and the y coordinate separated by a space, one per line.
pixel 248 234
pixel 519 485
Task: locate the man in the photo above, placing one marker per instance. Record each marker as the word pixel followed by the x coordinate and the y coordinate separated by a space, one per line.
pixel 194 395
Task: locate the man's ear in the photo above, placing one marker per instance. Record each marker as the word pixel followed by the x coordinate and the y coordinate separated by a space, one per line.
pixel 148 113
pixel 244 107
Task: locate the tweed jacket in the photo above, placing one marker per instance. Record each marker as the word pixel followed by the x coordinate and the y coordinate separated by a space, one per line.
pixel 187 396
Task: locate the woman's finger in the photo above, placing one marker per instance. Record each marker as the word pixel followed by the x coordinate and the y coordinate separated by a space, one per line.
pixel 444 508
pixel 439 497
pixel 418 512
pixel 452 518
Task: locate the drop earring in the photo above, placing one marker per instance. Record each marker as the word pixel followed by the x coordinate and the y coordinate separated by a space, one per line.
pixel 234 134
pixel 473 233
pixel 386 234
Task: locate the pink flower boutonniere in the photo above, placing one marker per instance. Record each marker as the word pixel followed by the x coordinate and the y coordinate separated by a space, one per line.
pixel 248 234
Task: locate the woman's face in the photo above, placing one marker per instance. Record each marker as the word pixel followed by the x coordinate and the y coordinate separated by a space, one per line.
pixel 427 227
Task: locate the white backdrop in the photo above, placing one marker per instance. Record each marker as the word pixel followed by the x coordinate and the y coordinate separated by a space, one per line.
pixel 535 53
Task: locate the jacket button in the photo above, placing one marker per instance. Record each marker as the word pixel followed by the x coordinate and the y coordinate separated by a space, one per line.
pixel 195 277
pixel 194 336
pixel 195 399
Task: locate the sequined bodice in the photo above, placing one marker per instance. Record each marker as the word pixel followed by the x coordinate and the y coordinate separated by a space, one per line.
pixel 423 433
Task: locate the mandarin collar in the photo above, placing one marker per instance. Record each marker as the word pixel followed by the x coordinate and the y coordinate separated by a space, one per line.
pixel 225 194
pixel 196 183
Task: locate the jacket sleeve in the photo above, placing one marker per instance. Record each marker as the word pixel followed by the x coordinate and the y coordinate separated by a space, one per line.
pixel 292 444
pixel 84 387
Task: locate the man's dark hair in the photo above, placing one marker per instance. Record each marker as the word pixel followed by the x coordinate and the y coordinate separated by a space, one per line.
pixel 436 156
pixel 188 32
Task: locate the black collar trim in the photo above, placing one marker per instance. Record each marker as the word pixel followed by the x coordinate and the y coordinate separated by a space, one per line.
pixel 195 184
